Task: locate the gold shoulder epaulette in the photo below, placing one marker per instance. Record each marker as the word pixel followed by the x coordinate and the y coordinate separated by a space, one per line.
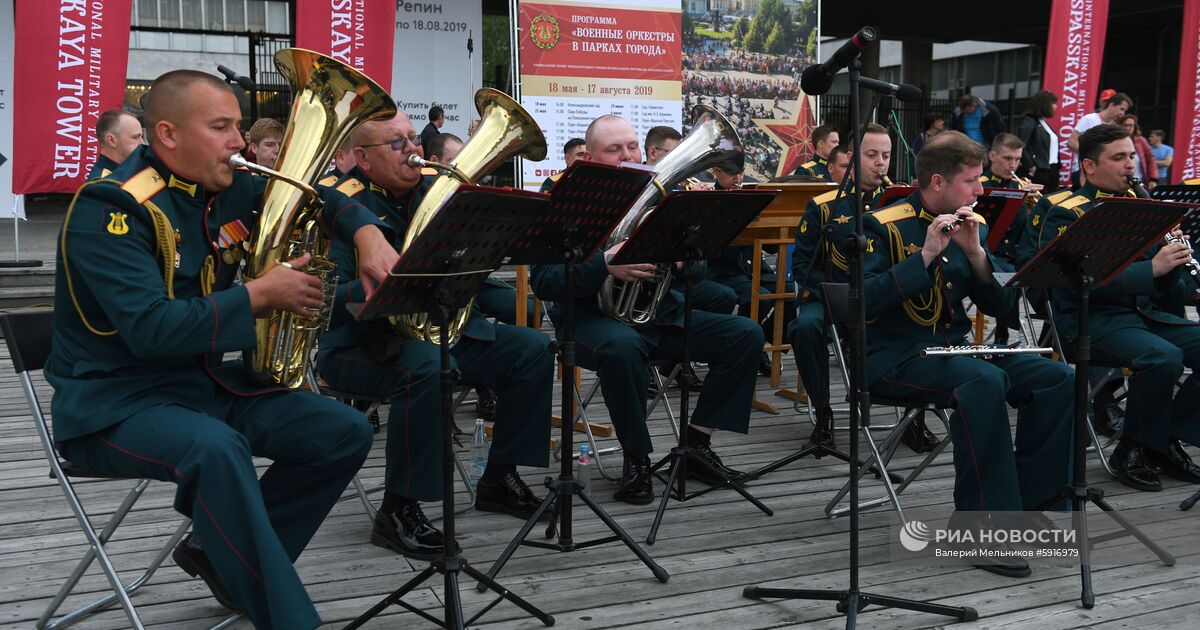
pixel 826 197
pixel 891 214
pixel 328 180
pixel 1073 202
pixel 808 164
pixel 984 178
pixel 104 172
pixel 557 176
pixel 144 185
pixel 1056 198
pixel 979 218
pixel 1192 182
pixel 350 187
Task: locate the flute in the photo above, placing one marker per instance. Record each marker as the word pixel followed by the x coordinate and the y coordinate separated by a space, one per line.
pixel 958 221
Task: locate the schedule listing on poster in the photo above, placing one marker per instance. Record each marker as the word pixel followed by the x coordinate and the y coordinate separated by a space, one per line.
pixel 581 62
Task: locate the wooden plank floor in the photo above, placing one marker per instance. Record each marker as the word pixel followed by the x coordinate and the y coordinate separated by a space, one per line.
pixel 712 546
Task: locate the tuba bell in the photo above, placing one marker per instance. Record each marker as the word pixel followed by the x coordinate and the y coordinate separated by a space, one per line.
pixel 331 100
pixel 713 142
pixel 505 130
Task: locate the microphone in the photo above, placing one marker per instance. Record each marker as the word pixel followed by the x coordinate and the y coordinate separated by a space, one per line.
pixel 232 77
pixel 904 92
pixel 817 79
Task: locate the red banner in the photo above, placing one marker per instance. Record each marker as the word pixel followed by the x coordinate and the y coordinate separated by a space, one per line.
pixel 71 60
pixel 600 42
pixel 359 33
pixel 1186 164
pixel 1074 52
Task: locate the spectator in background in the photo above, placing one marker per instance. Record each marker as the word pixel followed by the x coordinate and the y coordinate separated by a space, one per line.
pixel 1143 156
pixel 246 152
pixel 1163 155
pixel 437 118
pixel 978 119
pixel 1111 109
pixel 935 123
pixel 119 133
pixel 266 136
pixel 1039 158
pixel 442 149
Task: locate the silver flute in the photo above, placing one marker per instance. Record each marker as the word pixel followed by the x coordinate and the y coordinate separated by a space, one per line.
pixel 979 351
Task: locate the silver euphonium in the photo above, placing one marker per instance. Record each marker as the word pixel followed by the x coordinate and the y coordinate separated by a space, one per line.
pixel 713 142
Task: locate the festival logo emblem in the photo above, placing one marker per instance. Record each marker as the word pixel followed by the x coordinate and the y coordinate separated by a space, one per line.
pixel 543 30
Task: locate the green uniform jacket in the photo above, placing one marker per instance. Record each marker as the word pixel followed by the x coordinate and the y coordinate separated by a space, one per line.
pixel 825 209
pixel 102 168
pixel 1123 302
pixel 355 192
pixel 1027 242
pixel 818 167
pixel 145 299
pixel 911 306
pixel 549 182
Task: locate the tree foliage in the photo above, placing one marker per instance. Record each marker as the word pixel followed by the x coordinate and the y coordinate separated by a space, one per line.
pixel 772 24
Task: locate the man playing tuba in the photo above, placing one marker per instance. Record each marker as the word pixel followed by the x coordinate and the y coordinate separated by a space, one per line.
pixel 370 357
pixel 619 353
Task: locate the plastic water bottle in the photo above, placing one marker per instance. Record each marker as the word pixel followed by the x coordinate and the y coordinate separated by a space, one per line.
pixel 583 466
pixel 479 452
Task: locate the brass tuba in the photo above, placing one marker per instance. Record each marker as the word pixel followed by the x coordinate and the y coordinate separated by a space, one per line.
pixel 713 142
pixel 505 130
pixel 331 100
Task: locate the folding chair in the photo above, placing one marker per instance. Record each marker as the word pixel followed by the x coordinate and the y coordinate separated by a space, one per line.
pixel 836 297
pixel 369 405
pixel 28 337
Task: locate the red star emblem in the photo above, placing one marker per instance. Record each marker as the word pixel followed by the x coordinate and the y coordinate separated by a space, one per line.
pixel 794 136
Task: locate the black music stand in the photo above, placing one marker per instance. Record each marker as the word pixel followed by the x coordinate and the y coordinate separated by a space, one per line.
pixel 1100 244
pixel 691 226
pixel 852 600
pixel 998 207
pixel 440 271
pixel 585 205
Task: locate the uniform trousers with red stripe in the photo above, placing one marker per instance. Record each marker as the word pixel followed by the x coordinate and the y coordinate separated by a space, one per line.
pixel 990 475
pixel 252 529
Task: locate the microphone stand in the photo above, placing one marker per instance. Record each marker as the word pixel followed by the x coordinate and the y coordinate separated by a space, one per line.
pixel 853 600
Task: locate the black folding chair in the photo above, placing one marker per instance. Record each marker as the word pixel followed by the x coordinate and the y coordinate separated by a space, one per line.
pixel 28 336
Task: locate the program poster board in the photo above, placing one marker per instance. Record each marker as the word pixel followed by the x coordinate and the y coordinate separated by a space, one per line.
pixel 581 60
pixel 745 60
pixel 432 63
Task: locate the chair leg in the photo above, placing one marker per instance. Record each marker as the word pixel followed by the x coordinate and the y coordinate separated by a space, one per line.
pixel 582 402
pixel 661 384
pixel 466 480
pixel 875 457
pixel 362 496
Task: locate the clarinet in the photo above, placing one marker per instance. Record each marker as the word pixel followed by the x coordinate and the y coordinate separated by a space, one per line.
pixel 1192 267
pixel 1138 189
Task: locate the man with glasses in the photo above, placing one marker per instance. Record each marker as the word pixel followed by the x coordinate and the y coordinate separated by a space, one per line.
pixel 660 141
pixel 370 357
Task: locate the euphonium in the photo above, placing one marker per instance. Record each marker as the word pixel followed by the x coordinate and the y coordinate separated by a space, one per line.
pixel 505 130
pixel 331 100
pixel 713 142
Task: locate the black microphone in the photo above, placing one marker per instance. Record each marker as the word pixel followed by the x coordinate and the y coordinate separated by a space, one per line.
pixel 903 92
pixel 817 79
pixel 233 77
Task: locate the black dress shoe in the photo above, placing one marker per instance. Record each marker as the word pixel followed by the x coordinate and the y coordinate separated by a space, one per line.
pixel 485 406
pixel 406 531
pixel 1108 419
pixel 1176 464
pixel 917 436
pixel 704 475
pixel 822 433
pixel 1133 468
pixel 764 364
pixel 997 558
pixel 688 375
pixel 637 483
pixel 192 559
pixel 509 495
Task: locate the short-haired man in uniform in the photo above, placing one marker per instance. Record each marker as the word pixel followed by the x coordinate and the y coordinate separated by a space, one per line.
pixel 619 353
pixel 572 150
pixel 839 162
pixel 1128 327
pixel 146 305
pixel 343 161
pixel 370 357
pixel 824 139
pixel 917 277
pixel 660 141
pixel 119 134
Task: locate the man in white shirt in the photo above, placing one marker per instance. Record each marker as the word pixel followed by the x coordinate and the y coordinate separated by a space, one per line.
pixel 1110 111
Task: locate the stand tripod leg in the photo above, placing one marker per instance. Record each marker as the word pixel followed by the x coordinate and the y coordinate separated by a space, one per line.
pixel 516 541
pixel 730 482
pixel 659 572
pixel 1163 555
pixel 506 594
pixel 1087 597
pixel 394 598
pixel 454 616
pixel 662 505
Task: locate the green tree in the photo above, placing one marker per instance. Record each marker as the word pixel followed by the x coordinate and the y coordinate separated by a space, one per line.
pixel 771 14
pixel 496 50
pixel 740 28
pixel 688 26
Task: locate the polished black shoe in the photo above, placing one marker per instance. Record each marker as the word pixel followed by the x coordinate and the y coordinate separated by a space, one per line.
pixel 508 494
pixel 764 364
pixel 637 482
pixel 704 475
pixel 485 406
pixel 1176 464
pixel 997 558
pixel 1108 419
pixel 192 559
pixel 688 375
pixel 408 532
pixel 1133 468
pixel 917 436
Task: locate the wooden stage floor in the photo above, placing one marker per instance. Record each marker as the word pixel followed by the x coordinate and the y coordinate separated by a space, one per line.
pixel 712 546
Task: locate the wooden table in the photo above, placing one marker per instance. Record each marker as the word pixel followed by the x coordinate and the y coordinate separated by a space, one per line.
pixel 776 226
